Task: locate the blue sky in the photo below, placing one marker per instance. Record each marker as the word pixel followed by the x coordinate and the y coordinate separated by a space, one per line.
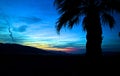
pixel 33 24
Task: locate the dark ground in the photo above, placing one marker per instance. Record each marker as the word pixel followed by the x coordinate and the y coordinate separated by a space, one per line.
pixel 30 62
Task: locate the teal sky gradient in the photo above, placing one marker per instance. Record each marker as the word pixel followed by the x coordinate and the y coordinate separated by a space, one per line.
pixel 33 23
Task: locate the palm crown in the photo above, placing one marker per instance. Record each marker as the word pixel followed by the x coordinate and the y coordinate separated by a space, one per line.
pixel 72 10
pixel 94 12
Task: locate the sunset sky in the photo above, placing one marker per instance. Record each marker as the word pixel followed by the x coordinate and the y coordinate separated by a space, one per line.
pixel 32 23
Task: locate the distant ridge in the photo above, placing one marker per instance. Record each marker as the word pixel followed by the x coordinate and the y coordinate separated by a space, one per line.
pixel 23 50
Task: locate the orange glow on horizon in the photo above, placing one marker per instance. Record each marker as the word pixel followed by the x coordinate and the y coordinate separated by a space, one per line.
pixel 47 47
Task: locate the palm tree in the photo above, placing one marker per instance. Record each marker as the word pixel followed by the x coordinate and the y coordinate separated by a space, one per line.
pixel 95 13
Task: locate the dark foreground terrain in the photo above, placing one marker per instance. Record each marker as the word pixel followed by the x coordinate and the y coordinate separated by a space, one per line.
pixel 17 59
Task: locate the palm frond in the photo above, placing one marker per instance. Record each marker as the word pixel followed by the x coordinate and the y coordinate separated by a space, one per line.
pixel 115 5
pixel 69 18
pixel 70 12
pixel 75 20
pixel 84 23
pixel 58 3
pixel 64 5
pixel 110 5
pixel 62 21
pixel 108 19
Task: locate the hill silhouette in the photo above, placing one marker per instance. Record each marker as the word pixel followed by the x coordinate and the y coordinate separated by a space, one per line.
pixel 17 59
pixel 26 50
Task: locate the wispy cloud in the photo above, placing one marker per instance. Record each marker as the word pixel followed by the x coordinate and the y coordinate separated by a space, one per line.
pixel 22 28
pixel 30 20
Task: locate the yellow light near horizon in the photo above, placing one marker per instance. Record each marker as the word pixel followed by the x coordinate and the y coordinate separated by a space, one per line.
pixel 47 47
pixel 37 45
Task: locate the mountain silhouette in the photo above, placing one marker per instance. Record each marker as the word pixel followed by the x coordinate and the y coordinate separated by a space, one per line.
pixel 26 50
pixel 18 59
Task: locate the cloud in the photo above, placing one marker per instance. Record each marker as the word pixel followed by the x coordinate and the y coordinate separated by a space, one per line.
pixel 22 28
pixel 69 44
pixel 30 20
pixel 18 38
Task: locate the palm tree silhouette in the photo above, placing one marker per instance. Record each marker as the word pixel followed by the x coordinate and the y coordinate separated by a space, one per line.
pixel 95 13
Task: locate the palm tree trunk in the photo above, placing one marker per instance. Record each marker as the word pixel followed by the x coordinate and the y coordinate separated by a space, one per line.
pixel 94 36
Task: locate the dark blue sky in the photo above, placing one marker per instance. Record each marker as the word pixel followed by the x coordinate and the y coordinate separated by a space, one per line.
pixel 33 24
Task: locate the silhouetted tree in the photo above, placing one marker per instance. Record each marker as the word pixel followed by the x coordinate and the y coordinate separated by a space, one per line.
pixel 95 12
